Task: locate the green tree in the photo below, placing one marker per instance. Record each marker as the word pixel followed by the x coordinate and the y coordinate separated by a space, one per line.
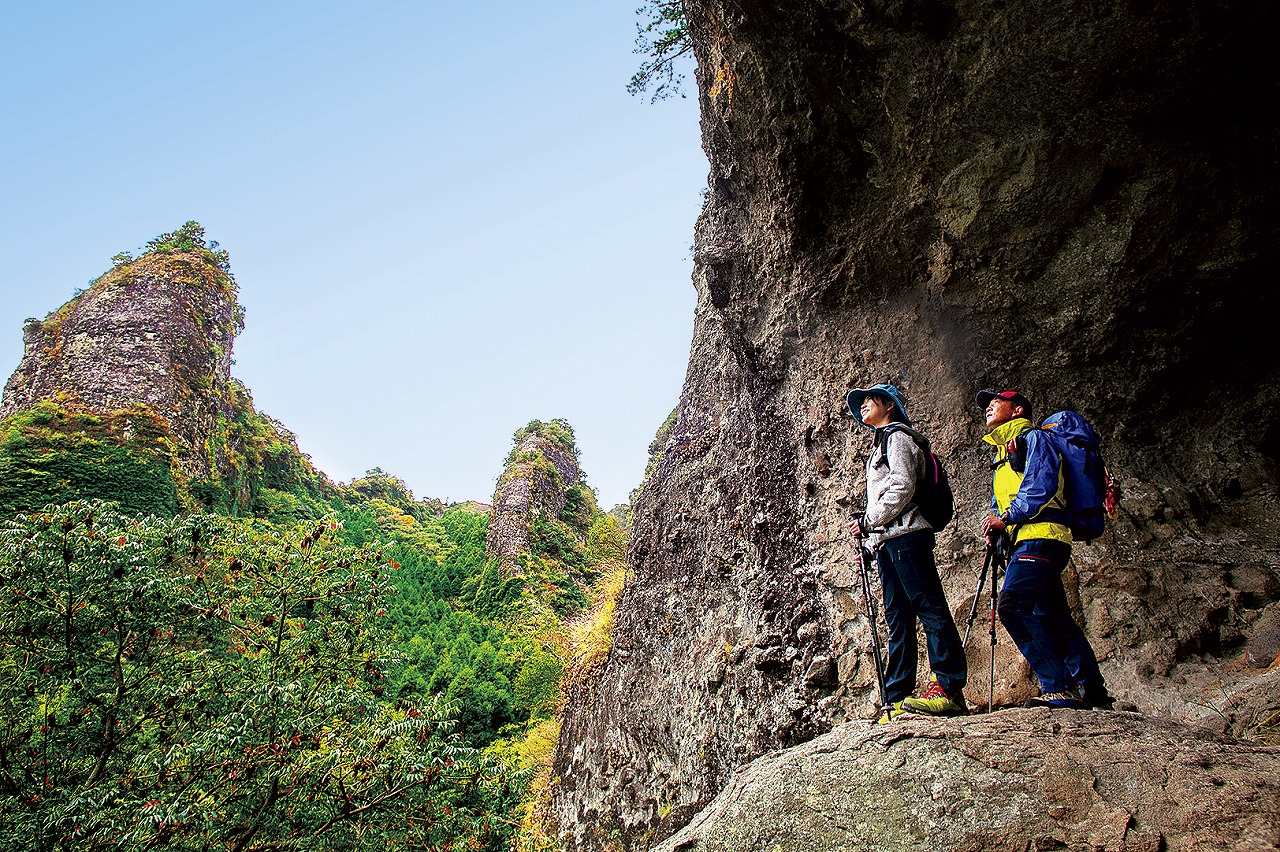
pixel 663 38
pixel 188 238
pixel 606 541
pixel 204 683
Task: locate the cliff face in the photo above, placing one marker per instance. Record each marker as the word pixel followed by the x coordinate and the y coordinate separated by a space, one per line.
pixel 156 332
pixel 1075 199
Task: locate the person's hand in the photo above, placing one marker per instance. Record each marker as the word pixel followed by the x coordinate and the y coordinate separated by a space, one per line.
pixel 855 527
pixel 993 525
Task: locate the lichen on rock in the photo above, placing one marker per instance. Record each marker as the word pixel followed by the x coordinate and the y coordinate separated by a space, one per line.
pixel 1025 779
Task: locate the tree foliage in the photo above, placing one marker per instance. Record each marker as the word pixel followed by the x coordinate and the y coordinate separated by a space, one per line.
pixel 202 683
pixel 49 455
pixel 663 38
pixel 556 432
pixel 190 238
pixel 314 666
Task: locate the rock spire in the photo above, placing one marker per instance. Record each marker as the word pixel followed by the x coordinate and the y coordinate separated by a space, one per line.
pixel 540 470
pixel 152 334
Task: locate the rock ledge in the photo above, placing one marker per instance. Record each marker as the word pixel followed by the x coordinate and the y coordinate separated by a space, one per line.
pixel 1016 780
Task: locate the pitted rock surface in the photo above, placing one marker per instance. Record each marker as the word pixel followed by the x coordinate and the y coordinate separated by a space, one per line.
pixel 1074 199
pixel 1013 781
pixel 156 332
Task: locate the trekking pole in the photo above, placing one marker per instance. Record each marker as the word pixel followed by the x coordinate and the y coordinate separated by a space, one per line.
pixel 995 555
pixel 977 593
pixel 875 633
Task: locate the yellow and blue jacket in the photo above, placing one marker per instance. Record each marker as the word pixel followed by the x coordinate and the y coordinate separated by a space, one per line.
pixel 1021 499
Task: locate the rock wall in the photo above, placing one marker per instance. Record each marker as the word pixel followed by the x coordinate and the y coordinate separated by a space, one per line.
pixel 156 332
pixel 539 470
pixel 1072 198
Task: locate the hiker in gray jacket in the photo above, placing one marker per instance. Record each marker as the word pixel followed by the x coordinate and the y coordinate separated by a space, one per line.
pixel 903 542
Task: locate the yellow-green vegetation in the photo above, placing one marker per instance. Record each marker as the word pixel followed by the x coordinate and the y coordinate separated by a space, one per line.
pixel 557 432
pixel 532 753
pixel 53 454
pixel 584 643
pixel 1263 727
pixel 530 464
pixel 184 256
pixel 1252 716
pixel 59 451
pixel 392 491
pixel 607 541
pixel 252 459
pixel 591 636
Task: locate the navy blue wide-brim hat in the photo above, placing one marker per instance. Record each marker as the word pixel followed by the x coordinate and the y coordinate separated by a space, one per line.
pixel 857 395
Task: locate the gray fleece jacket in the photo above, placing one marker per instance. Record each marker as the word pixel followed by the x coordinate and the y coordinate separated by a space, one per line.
pixel 893 468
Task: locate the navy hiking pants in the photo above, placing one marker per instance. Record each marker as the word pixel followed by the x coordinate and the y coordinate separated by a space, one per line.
pixel 1033 608
pixel 912 589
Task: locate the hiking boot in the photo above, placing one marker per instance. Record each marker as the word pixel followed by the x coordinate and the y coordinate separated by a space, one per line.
pixel 935 702
pixel 1097 697
pixel 1066 700
pixel 1099 700
pixel 890 712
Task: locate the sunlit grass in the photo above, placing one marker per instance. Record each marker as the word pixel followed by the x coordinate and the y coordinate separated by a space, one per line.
pixel 591 636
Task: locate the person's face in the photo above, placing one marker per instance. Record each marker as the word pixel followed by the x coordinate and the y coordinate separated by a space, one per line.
pixel 875 411
pixel 1001 411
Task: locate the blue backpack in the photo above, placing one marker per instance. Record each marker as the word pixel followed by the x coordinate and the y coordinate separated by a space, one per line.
pixel 1089 491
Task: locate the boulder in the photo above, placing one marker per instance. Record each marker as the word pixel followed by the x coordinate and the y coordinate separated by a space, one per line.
pixel 1009 782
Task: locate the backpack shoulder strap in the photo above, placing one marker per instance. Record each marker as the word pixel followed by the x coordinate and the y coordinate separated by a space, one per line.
pixel 921 442
pixel 1015 451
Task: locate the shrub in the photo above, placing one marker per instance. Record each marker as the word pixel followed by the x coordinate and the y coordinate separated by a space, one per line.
pixel 202 683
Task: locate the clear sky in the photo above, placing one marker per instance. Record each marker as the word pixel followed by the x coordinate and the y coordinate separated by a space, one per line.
pixel 445 219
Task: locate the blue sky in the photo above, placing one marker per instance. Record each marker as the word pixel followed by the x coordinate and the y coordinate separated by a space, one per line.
pixel 445 219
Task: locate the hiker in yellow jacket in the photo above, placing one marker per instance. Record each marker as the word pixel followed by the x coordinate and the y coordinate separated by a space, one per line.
pixel 1033 604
